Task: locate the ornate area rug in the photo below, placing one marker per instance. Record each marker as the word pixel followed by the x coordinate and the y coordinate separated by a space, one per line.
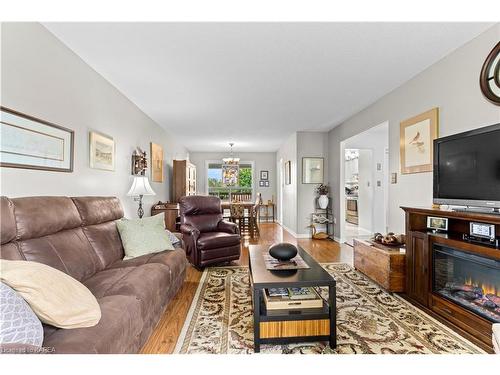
pixel 369 320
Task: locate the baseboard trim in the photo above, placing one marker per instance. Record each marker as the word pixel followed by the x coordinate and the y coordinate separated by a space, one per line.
pixel 289 230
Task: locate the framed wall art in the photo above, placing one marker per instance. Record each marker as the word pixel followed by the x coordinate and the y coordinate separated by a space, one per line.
pixel 30 143
pixel 288 172
pixel 417 135
pixel 264 175
pixel 102 151
pixel 312 170
pixel 156 163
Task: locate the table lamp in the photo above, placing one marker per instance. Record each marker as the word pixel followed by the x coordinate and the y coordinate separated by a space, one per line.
pixel 140 187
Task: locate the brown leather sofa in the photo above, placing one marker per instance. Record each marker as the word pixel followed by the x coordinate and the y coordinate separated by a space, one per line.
pixel 207 238
pixel 79 237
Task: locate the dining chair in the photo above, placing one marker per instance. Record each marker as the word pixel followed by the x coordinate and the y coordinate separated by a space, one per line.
pixel 254 215
pixel 238 215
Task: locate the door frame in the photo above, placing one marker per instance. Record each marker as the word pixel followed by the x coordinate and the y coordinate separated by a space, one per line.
pixel 341 237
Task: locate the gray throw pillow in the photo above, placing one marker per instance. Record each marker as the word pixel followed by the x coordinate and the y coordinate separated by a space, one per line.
pixel 18 322
pixel 173 238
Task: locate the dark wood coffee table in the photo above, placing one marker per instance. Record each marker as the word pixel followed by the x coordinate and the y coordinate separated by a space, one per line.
pixel 285 326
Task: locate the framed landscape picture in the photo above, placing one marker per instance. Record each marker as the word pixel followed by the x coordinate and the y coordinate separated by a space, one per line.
pixel 102 151
pixel 31 143
pixel 156 163
pixel 417 135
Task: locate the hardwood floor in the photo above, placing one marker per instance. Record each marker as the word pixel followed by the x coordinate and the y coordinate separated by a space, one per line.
pixel 164 337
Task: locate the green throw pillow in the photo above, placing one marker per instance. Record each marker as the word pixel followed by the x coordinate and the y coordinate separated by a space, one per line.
pixel 143 236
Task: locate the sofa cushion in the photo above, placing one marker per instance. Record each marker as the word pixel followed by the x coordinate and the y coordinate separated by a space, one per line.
pixel 55 297
pixel 11 251
pixel 8 227
pixel 97 210
pixel 105 240
pixel 175 260
pixel 147 283
pixel 214 240
pixel 41 216
pixel 143 236
pixel 68 251
pixel 117 332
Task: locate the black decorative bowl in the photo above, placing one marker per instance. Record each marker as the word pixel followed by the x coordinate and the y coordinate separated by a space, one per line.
pixel 283 251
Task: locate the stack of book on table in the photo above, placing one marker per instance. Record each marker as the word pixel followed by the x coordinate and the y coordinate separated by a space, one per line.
pixel 292 298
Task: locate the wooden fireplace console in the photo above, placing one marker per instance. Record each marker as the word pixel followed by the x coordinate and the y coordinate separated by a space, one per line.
pixel 419 245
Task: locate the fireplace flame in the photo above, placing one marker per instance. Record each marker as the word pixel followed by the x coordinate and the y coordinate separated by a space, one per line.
pixel 487 287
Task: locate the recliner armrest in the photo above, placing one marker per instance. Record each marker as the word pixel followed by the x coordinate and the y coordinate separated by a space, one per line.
pixel 189 230
pixel 226 226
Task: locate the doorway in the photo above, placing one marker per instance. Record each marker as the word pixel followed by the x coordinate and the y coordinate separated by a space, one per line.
pixel 364 184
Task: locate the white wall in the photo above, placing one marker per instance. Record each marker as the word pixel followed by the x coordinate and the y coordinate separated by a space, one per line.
pixel 288 152
pixel 43 78
pixel 299 198
pixel 451 84
pixel 263 161
pixel 309 144
pixel 366 190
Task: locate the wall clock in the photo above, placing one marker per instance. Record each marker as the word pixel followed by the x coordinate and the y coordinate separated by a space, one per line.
pixel 489 79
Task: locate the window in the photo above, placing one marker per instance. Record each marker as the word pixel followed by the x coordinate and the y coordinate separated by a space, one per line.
pixel 243 191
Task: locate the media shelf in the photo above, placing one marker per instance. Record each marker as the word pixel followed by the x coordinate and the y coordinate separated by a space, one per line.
pixel 294 314
pixel 423 269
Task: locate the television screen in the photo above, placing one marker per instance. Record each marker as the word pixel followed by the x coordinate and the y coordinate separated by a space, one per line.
pixel 467 166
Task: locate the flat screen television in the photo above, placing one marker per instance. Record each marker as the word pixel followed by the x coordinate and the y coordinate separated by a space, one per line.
pixel 467 168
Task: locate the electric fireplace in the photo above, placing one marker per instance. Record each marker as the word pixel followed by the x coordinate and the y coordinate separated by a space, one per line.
pixel 469 280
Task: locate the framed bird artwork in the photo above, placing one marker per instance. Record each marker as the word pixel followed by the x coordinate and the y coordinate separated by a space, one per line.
pixel 417 135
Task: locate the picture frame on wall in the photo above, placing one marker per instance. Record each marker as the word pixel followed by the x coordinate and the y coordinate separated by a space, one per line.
pixel 156 163
pixel 417 135
pixel 264 175
pixel 288 172
pixel 31 143
pixel 261 183
pixel 102 151
pixel 266 183
pixel 312 170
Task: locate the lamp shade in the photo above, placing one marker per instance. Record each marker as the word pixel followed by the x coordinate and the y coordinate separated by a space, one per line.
pixel 140 186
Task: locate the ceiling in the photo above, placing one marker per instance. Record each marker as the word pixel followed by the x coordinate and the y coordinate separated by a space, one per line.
pixel 254 84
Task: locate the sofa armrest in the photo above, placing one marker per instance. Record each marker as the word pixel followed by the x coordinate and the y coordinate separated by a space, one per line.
pixel 226 226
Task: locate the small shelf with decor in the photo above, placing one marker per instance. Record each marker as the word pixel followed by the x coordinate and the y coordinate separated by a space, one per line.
pixel 322 217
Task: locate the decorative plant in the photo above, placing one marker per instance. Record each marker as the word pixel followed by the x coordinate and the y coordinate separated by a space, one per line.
pixel 322 189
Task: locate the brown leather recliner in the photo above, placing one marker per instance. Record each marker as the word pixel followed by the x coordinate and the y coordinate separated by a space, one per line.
pixel 207 238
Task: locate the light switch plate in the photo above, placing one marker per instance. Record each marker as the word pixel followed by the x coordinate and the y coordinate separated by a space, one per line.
pixel 394 178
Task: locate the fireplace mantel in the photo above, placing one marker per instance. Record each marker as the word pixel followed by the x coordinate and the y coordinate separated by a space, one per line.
pixel 419 268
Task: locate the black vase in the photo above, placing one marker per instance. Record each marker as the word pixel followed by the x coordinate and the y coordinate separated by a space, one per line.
pixel 283 251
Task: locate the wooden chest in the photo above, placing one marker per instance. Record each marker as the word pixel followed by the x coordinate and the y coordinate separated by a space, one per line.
pixel 382 264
